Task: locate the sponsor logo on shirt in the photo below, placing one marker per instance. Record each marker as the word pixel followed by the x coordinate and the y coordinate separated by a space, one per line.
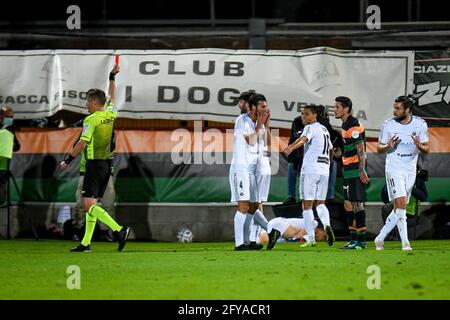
pixel 106 121
pixel 401 155
pixel 85 128
pixel 323 160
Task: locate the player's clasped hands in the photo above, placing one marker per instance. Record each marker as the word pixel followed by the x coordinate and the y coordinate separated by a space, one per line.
pixel 288 150
pixel 336 152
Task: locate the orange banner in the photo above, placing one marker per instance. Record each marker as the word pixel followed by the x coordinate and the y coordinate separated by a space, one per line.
pixel 135 141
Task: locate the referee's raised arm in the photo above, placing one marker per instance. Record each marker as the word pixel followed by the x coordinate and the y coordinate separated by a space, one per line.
pixel 112 84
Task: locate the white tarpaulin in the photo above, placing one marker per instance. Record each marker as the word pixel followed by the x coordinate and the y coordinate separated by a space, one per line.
pixel 205 83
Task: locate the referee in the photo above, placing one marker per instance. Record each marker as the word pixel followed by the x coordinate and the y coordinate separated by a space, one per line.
pixel 95 143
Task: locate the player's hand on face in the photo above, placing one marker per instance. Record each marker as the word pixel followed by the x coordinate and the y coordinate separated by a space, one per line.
pixel 115 69
pixel 262 118
pixel 63 165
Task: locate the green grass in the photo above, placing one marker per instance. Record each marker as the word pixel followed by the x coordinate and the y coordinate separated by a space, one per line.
pixel 37 270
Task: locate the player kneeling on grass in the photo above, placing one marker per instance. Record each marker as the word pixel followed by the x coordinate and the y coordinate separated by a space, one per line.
pixel 288 228
pixel 95 142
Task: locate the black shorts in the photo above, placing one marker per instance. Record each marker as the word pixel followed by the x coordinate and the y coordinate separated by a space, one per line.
pixel 354 190
pixel 96 178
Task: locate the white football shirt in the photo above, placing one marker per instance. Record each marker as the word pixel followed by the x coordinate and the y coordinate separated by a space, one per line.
pixel 316 159
pixel 404 156
pixel 244 125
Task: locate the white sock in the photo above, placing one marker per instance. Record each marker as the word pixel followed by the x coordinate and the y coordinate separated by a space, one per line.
pixel 391 222
pixel 239 220
pixel 324 215
pixel 255 230
pixel 402 226
pixel 247 228
pixel 260 219
pixel 308 216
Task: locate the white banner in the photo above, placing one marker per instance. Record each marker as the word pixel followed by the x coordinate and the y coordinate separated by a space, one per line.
pixel 205 83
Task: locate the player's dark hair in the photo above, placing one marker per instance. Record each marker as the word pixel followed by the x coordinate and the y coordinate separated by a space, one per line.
pixel 345 102
pixel 97 94
pixel 245 95
pixel 313 109
pixel 406 101
pixel 255 99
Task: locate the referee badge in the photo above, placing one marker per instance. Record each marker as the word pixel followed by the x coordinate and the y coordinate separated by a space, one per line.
pixel 85 128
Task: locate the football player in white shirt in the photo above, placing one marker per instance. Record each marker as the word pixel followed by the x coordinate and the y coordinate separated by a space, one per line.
pixel 288 228
pixel 243 167
pixel 263 173
pixel 314 173
pixel 243 101
pixel 403 137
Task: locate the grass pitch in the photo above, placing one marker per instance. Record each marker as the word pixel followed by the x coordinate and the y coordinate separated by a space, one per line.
pixel 38 270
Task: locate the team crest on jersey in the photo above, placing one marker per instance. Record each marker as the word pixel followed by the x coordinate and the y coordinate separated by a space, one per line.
pixel 85 128
pixel 355 134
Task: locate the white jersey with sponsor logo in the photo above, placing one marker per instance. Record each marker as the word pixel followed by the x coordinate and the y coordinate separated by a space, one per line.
pixel 316 159
pixel 404 156
pixel 243 153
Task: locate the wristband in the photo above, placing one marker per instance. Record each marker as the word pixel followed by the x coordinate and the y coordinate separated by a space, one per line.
pixel 69 159
pixel 112 76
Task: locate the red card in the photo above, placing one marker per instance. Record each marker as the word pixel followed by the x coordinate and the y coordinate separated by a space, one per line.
pixel 117 59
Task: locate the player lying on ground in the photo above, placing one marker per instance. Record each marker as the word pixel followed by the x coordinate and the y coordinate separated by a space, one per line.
pixel 288 228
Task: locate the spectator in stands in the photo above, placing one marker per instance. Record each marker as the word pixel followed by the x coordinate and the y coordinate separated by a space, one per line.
pixel 294 161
